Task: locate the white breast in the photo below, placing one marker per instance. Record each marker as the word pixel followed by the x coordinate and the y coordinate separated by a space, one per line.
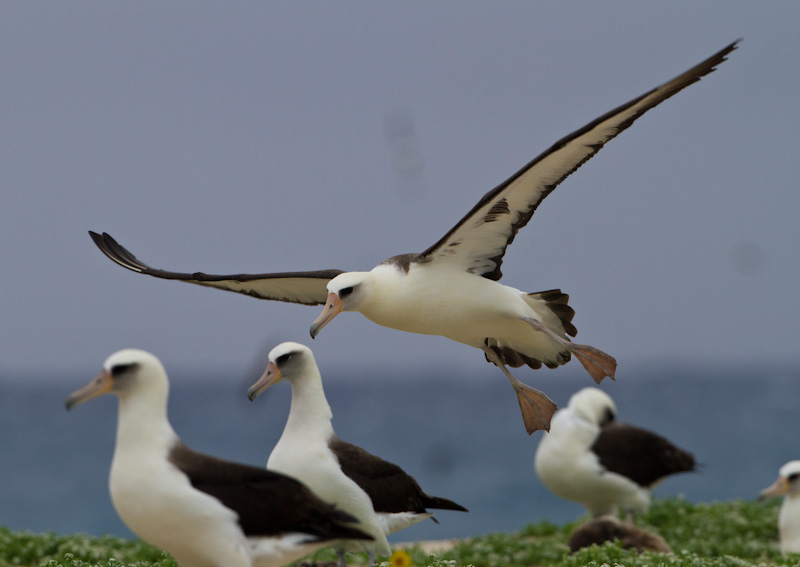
pixel 158 504
pixel 789 524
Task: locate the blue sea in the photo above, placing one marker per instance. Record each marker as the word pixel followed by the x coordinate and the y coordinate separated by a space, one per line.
pixel 461 436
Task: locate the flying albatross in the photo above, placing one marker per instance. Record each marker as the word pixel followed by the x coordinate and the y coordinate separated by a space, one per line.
pixel 787 485
pixel 591 458
pixel 452 288
pixel 201 510
pixel 379 494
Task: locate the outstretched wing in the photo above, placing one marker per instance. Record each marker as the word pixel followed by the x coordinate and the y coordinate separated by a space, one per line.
pixel 308 288
pixel 479 240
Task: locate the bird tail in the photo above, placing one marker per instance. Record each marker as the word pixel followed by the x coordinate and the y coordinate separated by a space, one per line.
pixel 442 504
pixel 340 527
pixel 552 306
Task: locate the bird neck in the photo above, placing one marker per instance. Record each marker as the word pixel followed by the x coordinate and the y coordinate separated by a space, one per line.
pixel 309 410
pixel 581 432
pixel 789 523
pixel 143 425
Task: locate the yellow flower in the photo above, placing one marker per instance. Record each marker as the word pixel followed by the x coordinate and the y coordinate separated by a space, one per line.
pixel 400 558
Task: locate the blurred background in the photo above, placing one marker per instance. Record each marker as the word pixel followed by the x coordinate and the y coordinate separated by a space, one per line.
pixel 257 137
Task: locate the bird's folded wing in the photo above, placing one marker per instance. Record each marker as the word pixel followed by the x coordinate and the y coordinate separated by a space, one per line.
pixel 639 454
pixel 266 502
pixel 389 487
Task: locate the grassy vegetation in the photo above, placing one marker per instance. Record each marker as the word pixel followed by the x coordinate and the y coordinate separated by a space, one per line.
pixel 722 534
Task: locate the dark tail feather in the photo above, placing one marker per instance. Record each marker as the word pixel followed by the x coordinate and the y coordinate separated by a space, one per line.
pixel 346 532
pixel 557 303
pixel 336 524
pixel 442 504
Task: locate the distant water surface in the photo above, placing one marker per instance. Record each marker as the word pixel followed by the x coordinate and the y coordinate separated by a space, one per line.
pixel 461 437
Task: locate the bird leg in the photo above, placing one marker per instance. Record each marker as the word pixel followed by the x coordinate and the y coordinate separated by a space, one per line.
pixel 597 363
pixel 342 559
pixel 629 516
pixel 537 409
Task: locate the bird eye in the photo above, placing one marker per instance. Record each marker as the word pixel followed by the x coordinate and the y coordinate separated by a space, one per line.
pixel 282 359
pixel 793 477
pixel 119 369
pixel 608 417
pixel 345 291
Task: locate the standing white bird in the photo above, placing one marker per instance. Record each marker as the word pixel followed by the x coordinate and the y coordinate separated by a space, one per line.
pixel 452 289
pixel 590 458
pixel 204 511
pixel 378 493
pixel 787 485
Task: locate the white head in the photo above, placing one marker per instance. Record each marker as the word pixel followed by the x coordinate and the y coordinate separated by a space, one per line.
pixel 287 361
pixel 126 372
pixel 346 292
pixel 788 482
pixel 593 405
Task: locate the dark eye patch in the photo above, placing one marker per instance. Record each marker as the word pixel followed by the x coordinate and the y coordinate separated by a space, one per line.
pixel 284 358
pixel 120 369
pixel 608 417
pixel 345 291
pixel 793 477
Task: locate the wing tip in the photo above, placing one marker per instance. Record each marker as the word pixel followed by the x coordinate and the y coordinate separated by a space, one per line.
pixel 116 252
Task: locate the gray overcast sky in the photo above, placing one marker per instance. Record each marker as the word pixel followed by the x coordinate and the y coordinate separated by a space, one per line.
pixel 250 137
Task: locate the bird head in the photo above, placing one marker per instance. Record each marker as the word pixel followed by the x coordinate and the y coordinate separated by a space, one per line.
pixel 346 292
pixel 287 361
pixel 593 405
pixel 124 372
pixel 788 482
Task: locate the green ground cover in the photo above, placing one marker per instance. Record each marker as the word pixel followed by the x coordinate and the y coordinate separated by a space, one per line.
pixel 722 534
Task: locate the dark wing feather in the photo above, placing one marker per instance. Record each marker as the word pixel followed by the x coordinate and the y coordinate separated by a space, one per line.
pixel 641 455
pixel 308 288
pixel 391 489
pixel 268 503
pixel 479 240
